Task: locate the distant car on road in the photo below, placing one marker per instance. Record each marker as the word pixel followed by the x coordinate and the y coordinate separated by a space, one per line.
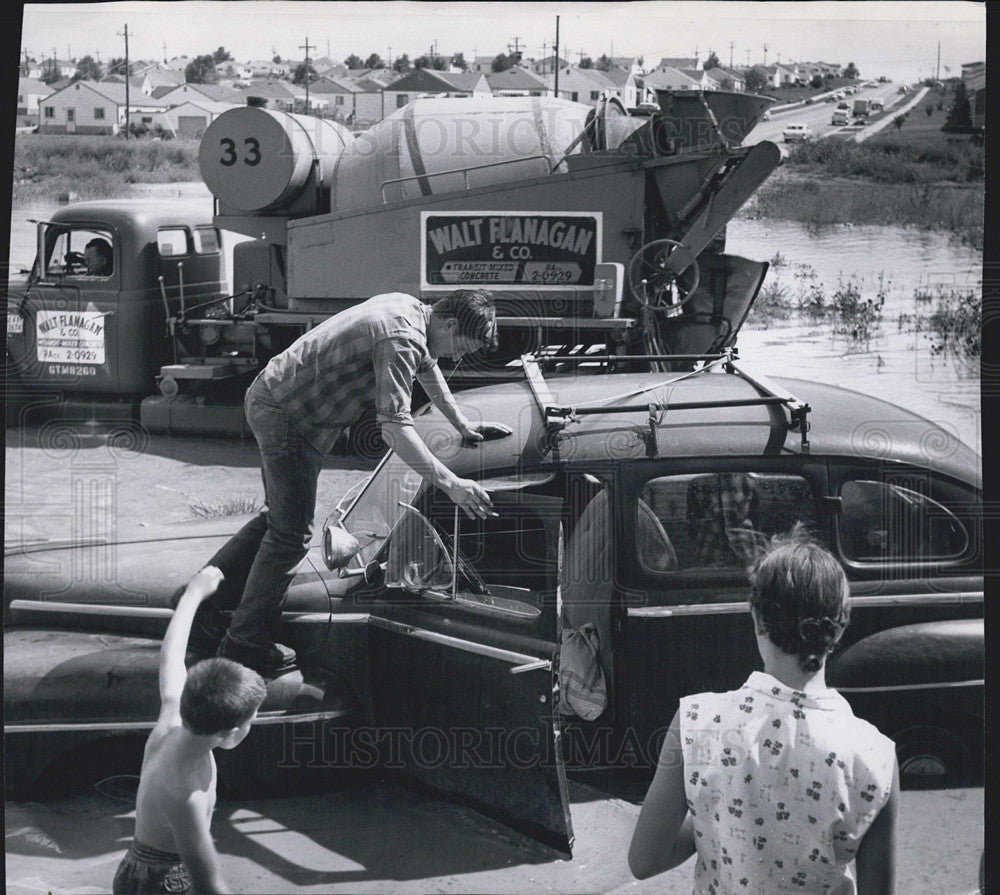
pixel 840 94
pixel 840 117
pixel 766 116
pixel 797 133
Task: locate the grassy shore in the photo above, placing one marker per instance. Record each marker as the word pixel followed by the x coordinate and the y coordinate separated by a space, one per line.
pixel 92 167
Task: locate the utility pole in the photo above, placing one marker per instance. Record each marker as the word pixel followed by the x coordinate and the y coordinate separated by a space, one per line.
pixel 307 47
pixel 937 68
pixel 695 57
pixel 164 52
pixel 556 61
pixel 516 49
pixel 748 57
pixel 128 110
pixel 765 54
pixel 544 61
pixel 580 53
pixel 730 54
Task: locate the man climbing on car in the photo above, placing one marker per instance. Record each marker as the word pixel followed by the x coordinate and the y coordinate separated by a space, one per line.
pixel 298 406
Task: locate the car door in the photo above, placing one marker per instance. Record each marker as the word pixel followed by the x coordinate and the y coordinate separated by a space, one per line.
pixel 695 525
pixel 464 645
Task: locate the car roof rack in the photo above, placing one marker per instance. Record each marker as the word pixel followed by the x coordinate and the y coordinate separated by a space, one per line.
pixel 557 417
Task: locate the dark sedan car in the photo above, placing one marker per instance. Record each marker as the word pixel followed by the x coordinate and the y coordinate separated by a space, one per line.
pixel 628 506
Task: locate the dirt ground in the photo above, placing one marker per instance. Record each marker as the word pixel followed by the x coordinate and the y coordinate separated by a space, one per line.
pixel 370 838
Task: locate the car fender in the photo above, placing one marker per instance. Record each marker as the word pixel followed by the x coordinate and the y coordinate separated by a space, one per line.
pixel 945 653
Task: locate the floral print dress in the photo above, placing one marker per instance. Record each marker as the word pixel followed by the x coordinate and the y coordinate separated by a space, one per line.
pixel 781 786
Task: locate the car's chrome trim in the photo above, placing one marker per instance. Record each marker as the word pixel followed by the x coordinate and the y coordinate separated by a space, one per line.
pixel 265 720
pixel 469 646
pixel 952 597
pixel 124 611
pixel 893 687
pixel 91 609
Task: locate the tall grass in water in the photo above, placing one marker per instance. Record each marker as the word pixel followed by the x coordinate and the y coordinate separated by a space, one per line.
pixel 848 310
pixel 97 167
pixel 955 325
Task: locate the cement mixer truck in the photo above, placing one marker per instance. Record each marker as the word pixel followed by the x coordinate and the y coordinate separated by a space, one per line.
pixel 597 229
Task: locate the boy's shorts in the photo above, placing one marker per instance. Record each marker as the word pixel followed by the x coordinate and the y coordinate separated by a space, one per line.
pixel 145 869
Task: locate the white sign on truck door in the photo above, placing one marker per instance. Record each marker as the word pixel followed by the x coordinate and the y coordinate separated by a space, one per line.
pixel 70 336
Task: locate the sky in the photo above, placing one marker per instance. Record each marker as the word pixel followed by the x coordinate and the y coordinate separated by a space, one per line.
pixel 897 39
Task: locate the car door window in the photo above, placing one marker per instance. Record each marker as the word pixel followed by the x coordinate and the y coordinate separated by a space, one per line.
pixel 888 522
pixel 709 521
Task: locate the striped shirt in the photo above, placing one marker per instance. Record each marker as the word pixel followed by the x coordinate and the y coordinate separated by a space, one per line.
pixel 364 357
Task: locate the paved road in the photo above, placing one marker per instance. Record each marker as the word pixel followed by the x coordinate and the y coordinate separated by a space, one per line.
pixel 818 115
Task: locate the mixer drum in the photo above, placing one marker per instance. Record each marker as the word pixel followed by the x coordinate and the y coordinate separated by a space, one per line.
pixel 436 145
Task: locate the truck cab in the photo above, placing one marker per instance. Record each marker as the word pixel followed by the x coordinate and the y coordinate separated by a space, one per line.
pixel 90 317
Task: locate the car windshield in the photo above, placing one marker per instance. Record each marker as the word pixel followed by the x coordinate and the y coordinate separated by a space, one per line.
pixel 373 513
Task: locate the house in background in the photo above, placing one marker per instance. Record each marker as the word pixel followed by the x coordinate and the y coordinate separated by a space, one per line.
pixel 196 92
pixel 516 81
pixel 547 65
pixel 425 81
pixel 667 78
pixel 153 78
pixel 189 120
pixel 338 95
pixel 728 79
pixel 626 86
pixel 29 93
pixel 581 85
pixel 37 70
pixel 92 107
pixel 281 95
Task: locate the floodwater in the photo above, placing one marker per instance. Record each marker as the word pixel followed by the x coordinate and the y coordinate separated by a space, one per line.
pixel 895 361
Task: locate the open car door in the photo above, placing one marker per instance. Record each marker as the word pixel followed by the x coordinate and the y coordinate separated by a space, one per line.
pixel 463 649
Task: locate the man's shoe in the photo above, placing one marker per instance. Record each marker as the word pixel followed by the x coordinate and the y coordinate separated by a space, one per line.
pixel 267 661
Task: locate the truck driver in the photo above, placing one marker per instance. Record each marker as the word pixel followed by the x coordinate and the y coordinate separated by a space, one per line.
pixel 98 257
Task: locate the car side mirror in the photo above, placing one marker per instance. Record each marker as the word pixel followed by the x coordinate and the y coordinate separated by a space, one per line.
pixel 339 547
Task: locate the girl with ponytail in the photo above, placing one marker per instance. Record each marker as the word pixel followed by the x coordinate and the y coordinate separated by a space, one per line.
pixel 777 787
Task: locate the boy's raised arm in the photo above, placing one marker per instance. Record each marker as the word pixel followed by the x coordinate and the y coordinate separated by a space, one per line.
pixel 173 672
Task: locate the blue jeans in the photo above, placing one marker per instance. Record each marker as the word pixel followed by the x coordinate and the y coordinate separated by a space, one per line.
pixel 290 468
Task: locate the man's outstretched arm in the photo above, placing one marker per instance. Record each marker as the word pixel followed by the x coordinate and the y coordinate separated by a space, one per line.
pixel 437 389
pixel 411 449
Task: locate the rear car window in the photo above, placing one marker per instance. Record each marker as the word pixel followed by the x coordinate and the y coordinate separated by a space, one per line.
pixel 889 522
pixel 716 520
pixel 172 241
pixel 206 240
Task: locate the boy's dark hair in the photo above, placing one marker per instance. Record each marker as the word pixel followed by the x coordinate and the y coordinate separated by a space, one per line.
pixel 475 312
pixel 801 596
pixel 218 695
